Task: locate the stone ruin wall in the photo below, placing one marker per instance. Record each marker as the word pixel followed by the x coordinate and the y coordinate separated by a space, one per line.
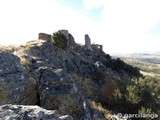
pixel 97 47
pixel 44 36
pixel 70 38
pixel 71 42
pixel 91 46
pixel 65 33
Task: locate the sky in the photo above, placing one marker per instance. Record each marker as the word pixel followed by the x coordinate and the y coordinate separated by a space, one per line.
pixel 121 26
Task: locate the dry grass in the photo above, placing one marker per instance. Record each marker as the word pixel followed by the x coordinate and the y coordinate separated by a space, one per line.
pixel 156 56
pixel 147 68
pixel 150 74
pixel 9 49
pixel 24 61
pixel 107 114
pixel 89 89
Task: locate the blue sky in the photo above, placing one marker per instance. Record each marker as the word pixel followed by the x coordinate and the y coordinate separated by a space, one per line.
pixel 120 25
pixel 78 5
pixel 155 30
pixel 74 4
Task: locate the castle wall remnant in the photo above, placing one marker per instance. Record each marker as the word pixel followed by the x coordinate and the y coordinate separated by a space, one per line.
pixel 87 41
pixel 44 36
pixel 96 47
pixel 70 38
pixel 71 42
pixel 92 46
pixel 65 33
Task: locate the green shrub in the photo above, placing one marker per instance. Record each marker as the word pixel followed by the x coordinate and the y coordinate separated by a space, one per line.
pixel 136 95
pixel 59 39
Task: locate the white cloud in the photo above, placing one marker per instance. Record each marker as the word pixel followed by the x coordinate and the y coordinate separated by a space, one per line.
pixel 125 23
pixel 122 28
pixel 23 20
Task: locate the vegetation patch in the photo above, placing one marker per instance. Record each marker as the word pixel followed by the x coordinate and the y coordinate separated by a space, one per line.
pixel 136 95
pixel 97 106
pixel 24 61
pixel 66 104
pixel 4 99
pixel 59 39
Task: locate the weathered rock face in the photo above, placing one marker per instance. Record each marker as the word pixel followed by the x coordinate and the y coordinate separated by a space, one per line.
pixel 57 91
pixel 55 79
pixel 12 79
pixel 20 112
pixel 48 68
pixel 15 86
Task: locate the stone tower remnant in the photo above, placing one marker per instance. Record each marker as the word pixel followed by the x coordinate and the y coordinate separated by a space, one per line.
pixel 87 41
pixel 92 46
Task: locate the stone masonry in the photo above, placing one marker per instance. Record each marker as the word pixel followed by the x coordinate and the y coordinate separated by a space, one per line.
pixel 44 36
pixel 91 46
pixel 96 47
pixel 87 41
pixel 70 38
pixel 71 42
pixel 66 34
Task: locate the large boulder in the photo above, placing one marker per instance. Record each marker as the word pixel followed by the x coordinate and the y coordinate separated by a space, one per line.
pixel 58 92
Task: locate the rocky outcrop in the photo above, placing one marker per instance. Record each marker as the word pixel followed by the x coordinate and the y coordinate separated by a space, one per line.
pixel 15 85
pixel 12 79
pixel 42 74
pixel 20 112
pixel 48 66
pixel 57 91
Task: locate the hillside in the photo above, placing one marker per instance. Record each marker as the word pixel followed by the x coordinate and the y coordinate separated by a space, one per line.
pixel 78 82
pixel 149 64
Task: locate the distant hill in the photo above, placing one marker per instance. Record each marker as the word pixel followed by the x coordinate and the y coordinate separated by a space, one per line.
pixel 149 63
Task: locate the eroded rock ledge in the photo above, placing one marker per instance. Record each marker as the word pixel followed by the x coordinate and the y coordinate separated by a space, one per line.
pixel 21 112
